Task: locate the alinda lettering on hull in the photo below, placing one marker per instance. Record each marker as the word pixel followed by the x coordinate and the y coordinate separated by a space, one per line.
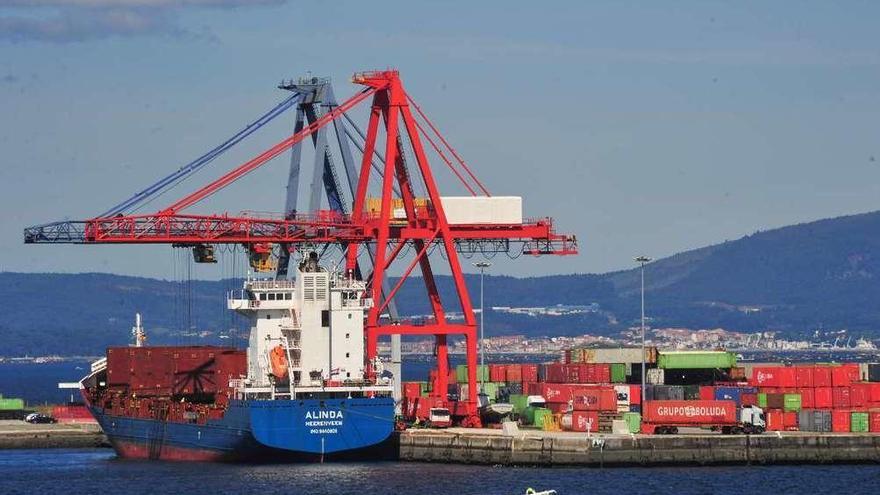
pixel 323 422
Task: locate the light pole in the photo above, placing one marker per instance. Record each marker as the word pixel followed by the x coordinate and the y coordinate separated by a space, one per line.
pixel 482 265
pixel 642 260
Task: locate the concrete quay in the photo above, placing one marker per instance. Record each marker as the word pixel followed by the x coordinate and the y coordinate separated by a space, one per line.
pixel 539 448
pixel 16 434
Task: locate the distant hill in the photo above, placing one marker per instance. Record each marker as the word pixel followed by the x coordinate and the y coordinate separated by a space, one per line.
pixel 793 279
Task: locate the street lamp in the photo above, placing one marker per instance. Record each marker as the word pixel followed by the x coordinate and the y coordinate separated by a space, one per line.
pixel 643 260
pixel 482 265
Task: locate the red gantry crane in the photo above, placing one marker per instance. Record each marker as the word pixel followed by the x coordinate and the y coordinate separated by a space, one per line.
pixel 383 224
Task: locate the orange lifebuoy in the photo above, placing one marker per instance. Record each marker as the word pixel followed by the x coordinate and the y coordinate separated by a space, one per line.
pixel 278 358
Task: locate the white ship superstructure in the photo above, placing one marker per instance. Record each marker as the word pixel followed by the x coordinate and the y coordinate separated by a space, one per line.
pixel 312 326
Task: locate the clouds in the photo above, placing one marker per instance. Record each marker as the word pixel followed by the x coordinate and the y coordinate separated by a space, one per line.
pixel 63 21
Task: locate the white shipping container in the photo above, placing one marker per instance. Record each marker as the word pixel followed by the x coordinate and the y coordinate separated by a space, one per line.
pixel 655 376
pixel 617 355
pixel 491 210
pixel 623 400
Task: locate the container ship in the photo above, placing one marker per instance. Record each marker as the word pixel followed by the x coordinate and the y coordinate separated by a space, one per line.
pixel 299 391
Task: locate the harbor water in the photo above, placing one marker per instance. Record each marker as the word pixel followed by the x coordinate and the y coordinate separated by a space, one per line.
pixel 99 471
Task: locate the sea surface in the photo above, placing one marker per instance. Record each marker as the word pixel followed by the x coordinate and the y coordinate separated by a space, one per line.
pixel 99 472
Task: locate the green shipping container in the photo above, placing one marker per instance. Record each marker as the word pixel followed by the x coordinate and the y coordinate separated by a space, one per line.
pixel 633 421
pixel 11 404
pixel 673 360
pixel 858 422
pixel 461 373
pixel 520 403
pixel 792 402
pixel 762 401
pixel 618 373
pixel 539 415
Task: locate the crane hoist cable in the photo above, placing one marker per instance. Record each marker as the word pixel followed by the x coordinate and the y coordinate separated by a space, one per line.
pixel 185 171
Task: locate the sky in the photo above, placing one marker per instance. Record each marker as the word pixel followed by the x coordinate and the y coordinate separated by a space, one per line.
pixel 641 127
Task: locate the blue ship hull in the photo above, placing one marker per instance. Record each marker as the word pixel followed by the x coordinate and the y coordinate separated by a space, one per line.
pixel 308 429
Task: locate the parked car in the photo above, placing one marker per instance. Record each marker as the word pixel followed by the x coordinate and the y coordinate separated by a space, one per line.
pixel 37 418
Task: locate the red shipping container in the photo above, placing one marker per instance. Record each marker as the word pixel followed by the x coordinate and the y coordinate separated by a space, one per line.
pixel 821 376
pixel 514 373
pixel 497 373
pixel 774 376
pixel 790 420
pixel 874 422
pixel 858 395
pixel 557 407
pixel 808 398
pixel 840 421
pixel 842 398
pixel 572 373
pixel 588 399
pixel 529 373
pixel 873 393
pixel 585 421
pixel 635 395
pixel 823 398
pixel 707 393
pixel 588 373
pixel 804 376
pixel 566 356
pixel 775 420
pixel 841 376
pixel 853 371
pixel 551 392
pixel 603 373
pixel 608 399
pixel 553 373
pixel 748 399
pixel 695 412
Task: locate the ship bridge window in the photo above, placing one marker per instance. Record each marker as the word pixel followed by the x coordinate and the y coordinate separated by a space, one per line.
pixel 271 296
pixel 262 296
pixel 288 296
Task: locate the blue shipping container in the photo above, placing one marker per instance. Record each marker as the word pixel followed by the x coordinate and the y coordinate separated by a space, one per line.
pixel 729 393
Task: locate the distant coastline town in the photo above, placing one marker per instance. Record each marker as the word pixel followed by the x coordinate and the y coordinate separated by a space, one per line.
pixel 664 338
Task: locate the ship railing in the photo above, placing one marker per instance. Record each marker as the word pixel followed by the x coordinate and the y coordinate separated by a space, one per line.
pixel 290 323
pixel 99 364
pixel 271 284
